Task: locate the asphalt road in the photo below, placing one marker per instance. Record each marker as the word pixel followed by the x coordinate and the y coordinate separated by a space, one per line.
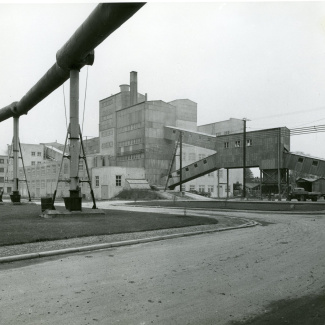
pixel 206 279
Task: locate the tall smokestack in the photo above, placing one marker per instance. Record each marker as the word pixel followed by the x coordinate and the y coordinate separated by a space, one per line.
pixel 133 88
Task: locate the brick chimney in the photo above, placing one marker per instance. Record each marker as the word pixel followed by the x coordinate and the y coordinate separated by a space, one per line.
pixel 133 88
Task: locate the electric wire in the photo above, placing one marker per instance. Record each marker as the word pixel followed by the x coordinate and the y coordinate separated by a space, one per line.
pixel 83 115
pixel 65 108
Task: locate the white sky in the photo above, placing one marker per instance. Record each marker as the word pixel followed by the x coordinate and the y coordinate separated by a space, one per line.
pixel 261 60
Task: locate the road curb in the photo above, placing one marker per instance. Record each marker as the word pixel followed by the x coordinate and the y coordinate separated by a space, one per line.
pixel 293 212
pixel 14 258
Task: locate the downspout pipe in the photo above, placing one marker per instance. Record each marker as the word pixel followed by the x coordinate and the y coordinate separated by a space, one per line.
pixel 77 52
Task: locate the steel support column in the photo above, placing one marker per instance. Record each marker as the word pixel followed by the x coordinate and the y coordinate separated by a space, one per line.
pixel 74 146
pixel 15 196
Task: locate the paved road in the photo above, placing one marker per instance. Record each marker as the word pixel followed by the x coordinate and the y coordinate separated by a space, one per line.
pixel 205 279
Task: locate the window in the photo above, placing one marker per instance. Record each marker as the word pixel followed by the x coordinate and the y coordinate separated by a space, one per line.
pixel 2 170
pixel 211 174
pixel 201 188
pixel 33 163
pixel 226 145
pixel 33 153
pixel 237 144
pixel 96 181
pixel 249 142
pixel 81 165
pixel 2 161
pixel 2 179
pixel 54 169
pixel 118 180
pixel 39 154
pixel 220 172
pixel 300 160
pixel 39 162
pixel 183 188
pixel 210 188
pixel 192 187
pixel 226 132
pixel 315 163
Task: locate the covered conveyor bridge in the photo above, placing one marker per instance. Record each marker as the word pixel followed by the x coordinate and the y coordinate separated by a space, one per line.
pixel 304 164
pixel 193 138
pixel 268 149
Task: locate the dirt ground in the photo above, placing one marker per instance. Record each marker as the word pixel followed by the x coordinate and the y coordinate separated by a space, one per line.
pixel 309 310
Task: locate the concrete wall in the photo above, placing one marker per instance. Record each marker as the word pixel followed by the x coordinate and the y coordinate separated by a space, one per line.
pixel 232 125
pixel 186 114
pixel 106 188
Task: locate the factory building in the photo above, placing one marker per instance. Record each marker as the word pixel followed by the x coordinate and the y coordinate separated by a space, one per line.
pixel 131 133
pixel 131 145
pixel 6 188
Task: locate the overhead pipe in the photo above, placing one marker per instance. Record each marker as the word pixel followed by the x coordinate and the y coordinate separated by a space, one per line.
pixel 77 52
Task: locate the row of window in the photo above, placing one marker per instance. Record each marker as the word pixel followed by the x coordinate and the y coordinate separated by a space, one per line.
pixel 238 143
pixel 314 163
pixel 33 163
pixel 129 127
pixel 39 154
pixel 131 157
pixel 107 118
pixel 106 145
pixel 203 188
pixel 105 102
pixel 107 133
pixel 129 142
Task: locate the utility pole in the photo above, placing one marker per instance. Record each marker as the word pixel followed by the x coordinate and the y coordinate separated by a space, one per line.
pixel 180 160
pixel 244 159
pixel 279 170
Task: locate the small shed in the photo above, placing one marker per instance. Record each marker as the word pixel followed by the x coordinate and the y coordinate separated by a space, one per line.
pixel 312 184
pixel 136 184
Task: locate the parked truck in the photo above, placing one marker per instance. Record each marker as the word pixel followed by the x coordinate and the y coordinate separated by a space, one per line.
pixel 301 194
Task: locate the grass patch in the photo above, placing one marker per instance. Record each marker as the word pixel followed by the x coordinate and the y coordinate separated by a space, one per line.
pixel 22 224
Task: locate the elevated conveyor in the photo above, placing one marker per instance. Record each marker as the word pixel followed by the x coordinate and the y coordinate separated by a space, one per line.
pixel 192 171
pixel 304 164
pixel 193 138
